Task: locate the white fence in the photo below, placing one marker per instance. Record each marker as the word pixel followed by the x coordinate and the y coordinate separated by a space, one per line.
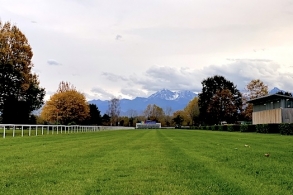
pixel 53 129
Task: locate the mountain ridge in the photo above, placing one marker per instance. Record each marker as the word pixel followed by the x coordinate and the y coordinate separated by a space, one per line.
pixel 177 100
pixel 163 98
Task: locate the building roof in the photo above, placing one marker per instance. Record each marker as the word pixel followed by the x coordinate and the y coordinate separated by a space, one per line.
pixel 269 98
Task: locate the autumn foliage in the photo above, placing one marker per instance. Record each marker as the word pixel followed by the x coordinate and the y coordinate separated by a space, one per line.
pixel 66 106
pixel 20 92
pixel 255 89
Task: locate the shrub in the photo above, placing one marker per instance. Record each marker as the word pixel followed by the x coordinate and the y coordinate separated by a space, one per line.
pixel 248 128
pixel 251 128
pixel 267 128
pixel 286 128
pixel 229 127
pixel 225 128
pixel 214 127
pixel 221 128
pixel 244 128
pixel 233 127
pixel 262 128
pixel 273 128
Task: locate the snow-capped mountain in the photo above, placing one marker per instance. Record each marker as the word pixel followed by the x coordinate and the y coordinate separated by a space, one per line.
pixel 164 98
pixel 166 94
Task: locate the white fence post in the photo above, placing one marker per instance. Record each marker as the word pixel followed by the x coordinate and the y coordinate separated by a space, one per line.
pixel 4 132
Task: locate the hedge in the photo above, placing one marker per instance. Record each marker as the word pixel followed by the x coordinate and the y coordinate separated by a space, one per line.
pixel 286 128
pixel 267 128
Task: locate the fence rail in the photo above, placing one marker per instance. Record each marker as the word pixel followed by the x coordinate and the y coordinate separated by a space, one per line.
pixel 30 130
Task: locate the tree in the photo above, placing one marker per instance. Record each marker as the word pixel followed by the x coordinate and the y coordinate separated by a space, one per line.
pixel 106 119
pixel 132 114
pixel 19 86
pixel 286 93
pixel 210 87
pixel 114 110
pixel 168 115
pixel 183 115
pixel 178 120
pixel 192 110
pixel 222 107
pixel 95 117
pixel 254 89
pixel 66 106
pixel 154 113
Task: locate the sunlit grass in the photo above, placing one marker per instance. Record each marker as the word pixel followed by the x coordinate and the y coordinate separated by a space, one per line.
pixel 147 162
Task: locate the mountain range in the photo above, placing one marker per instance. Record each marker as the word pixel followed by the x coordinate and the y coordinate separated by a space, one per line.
pixel 164 99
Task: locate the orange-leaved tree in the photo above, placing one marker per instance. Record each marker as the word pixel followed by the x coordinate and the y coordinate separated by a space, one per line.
pixel 66 106
pixel 254 89
pixel 192 110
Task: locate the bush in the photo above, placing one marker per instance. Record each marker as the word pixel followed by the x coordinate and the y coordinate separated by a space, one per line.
pixel 248 128
pixel 244 128
pixel 267 128
pixel 229 127
pixel 214 127
pixel 286 128
pixel 262 128
pixel 233 127
pixel 251 128
pixel 225 128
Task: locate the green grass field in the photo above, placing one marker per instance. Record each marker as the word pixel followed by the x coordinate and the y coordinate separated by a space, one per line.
pixel 147 162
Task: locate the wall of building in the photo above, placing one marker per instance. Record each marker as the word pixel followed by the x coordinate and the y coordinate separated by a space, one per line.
pixel 287 115
pixel 267 116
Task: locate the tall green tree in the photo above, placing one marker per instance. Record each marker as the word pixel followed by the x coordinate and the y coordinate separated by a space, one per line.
pixel 18 85
pixel 95 117
pixel 222 107
pixel 212 87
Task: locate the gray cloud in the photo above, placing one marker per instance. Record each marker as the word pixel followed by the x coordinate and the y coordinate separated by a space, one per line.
pixel 240 72
pixel 114 77
pixel 53 62
pixel 101 93
pixel 133 92
pixel 118 37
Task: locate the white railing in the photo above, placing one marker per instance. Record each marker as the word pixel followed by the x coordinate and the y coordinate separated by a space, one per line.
pixel 53 129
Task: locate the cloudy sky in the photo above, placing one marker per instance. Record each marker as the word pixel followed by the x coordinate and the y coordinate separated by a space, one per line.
pixel 133 48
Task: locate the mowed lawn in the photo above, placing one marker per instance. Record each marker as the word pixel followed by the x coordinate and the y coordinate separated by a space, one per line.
pixel 147 162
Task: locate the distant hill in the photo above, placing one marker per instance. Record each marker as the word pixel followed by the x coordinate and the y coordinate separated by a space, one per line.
pixel 164 98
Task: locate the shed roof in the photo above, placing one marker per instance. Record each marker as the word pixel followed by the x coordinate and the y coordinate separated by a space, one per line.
pixel 269 98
